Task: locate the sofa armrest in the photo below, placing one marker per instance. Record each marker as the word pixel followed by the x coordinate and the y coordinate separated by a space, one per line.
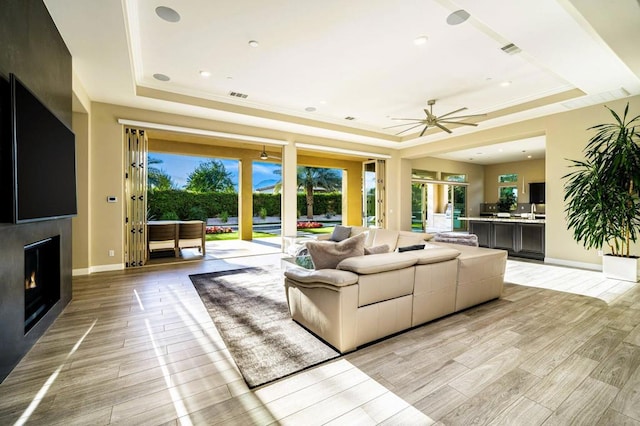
pixel 375 263
pixel 332 277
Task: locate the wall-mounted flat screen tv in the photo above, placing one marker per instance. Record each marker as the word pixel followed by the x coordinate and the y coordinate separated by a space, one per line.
pixel 44 160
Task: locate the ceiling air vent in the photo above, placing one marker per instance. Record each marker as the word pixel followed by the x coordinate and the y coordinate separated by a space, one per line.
pixel 349 118
pixel 510 49
pixel 238 95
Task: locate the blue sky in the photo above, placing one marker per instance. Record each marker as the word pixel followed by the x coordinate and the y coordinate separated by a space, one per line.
pixel 179 167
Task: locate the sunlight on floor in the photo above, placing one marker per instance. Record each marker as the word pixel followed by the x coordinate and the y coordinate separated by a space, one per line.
pixel 336 392
pixel 568 280
pixel 45 388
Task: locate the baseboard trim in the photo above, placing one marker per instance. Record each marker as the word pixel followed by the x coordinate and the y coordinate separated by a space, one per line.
pixel 572 264
pixel 80 271
pixel 107 268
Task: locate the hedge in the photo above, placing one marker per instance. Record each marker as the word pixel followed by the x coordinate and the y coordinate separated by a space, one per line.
pixel 188 205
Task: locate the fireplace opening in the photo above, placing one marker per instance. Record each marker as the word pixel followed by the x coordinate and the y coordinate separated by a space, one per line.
pixel 41 279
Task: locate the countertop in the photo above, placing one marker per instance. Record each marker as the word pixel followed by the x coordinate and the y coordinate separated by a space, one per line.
pixel 503 219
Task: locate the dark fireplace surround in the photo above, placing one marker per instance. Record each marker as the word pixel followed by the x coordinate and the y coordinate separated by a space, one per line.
pixel 18 336
pixel 41 279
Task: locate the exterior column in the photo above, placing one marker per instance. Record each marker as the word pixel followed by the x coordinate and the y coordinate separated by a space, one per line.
pixel 245 201
pixel 289 201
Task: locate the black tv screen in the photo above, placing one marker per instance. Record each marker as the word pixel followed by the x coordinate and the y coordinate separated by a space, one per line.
pixel 44 160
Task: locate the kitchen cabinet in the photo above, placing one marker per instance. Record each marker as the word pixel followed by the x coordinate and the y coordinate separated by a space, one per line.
pixel 537 193
pixel 519 238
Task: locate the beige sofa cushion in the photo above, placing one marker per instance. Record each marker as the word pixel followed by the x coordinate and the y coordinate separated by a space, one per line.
pixel 327 254
pixel 326 276
pixel 406 238
pixel 376 263
pixel 433 255
pixel 385 236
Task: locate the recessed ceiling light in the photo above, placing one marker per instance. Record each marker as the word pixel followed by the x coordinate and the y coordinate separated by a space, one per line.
pixel 167 14
pixel 310 109
pixel 161 77
pixel 229 78
pixel 458 17
pixel 253 43
pixel 505 84
pixel 420 40
pixel 529 156
pixel 204 73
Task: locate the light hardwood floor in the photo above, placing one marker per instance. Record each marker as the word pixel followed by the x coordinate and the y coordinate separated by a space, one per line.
pixel 138 347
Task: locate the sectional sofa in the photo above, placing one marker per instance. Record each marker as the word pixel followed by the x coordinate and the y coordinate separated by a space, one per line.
pixel 368 297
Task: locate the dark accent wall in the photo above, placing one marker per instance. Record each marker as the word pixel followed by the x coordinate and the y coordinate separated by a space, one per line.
pixel 31 48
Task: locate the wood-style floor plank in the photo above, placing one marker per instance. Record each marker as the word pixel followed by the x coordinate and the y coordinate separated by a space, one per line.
pixel 138 347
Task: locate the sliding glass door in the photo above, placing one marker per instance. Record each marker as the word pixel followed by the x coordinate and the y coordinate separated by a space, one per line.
pixel 437 206
pixel 373 193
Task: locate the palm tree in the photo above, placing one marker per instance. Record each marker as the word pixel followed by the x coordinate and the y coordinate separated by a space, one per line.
pixel 310 178
pixel 158 178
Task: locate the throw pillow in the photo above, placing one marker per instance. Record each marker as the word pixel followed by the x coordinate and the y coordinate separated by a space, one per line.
pixel 411 248
pixel 384 248
pixel 340 233
pixel 464 239
pixel 327 254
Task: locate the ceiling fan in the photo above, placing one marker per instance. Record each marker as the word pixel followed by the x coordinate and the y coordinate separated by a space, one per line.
pixel 431 120
pixel 265 156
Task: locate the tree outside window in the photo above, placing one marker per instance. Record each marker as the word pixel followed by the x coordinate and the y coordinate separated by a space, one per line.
pixel 508 178
pixel 507 198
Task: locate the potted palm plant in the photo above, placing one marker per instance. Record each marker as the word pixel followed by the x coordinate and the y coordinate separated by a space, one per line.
pixel 601 195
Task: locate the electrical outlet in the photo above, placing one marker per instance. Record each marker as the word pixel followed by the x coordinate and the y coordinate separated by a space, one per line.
pixel 600 253
pixel 112 253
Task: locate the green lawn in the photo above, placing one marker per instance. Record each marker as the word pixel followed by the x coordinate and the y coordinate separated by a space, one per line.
pixel 326 230
pixel 234 236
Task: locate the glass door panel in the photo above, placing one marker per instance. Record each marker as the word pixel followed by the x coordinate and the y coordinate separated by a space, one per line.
pixel 459 198
pixel 369 194
pixel 418 207
pixel 373 193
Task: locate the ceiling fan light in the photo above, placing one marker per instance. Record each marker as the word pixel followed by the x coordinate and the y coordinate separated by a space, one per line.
pixel 263 154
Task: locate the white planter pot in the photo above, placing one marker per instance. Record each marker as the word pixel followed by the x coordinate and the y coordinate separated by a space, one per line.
pixel 620 268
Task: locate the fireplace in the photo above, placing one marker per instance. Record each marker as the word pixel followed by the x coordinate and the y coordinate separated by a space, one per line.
pixel 41 279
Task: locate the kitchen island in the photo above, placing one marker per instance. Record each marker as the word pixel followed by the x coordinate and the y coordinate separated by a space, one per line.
pixel 521 237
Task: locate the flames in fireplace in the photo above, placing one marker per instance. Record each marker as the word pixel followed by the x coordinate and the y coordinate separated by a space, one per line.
pixel 41 279
pixel 30 281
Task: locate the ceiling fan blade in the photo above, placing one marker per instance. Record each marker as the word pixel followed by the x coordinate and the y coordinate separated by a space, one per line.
pixel 452 112
pixel 459 122
pixel 400 125
pixel 424 130
pixel 413 119
pixel 457 117
pixel 443 128
pixel 410 128
pixel 429 114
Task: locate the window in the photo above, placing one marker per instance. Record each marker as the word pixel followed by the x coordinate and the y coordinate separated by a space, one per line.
pixel 508 178
pixel 453 177
pixel 508 196
pixel 424 174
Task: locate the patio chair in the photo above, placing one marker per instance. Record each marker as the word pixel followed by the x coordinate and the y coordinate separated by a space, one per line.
pixel 162 237
pixel 192 234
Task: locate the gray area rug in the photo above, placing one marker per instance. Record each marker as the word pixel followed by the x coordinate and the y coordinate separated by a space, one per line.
pixel 249 308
